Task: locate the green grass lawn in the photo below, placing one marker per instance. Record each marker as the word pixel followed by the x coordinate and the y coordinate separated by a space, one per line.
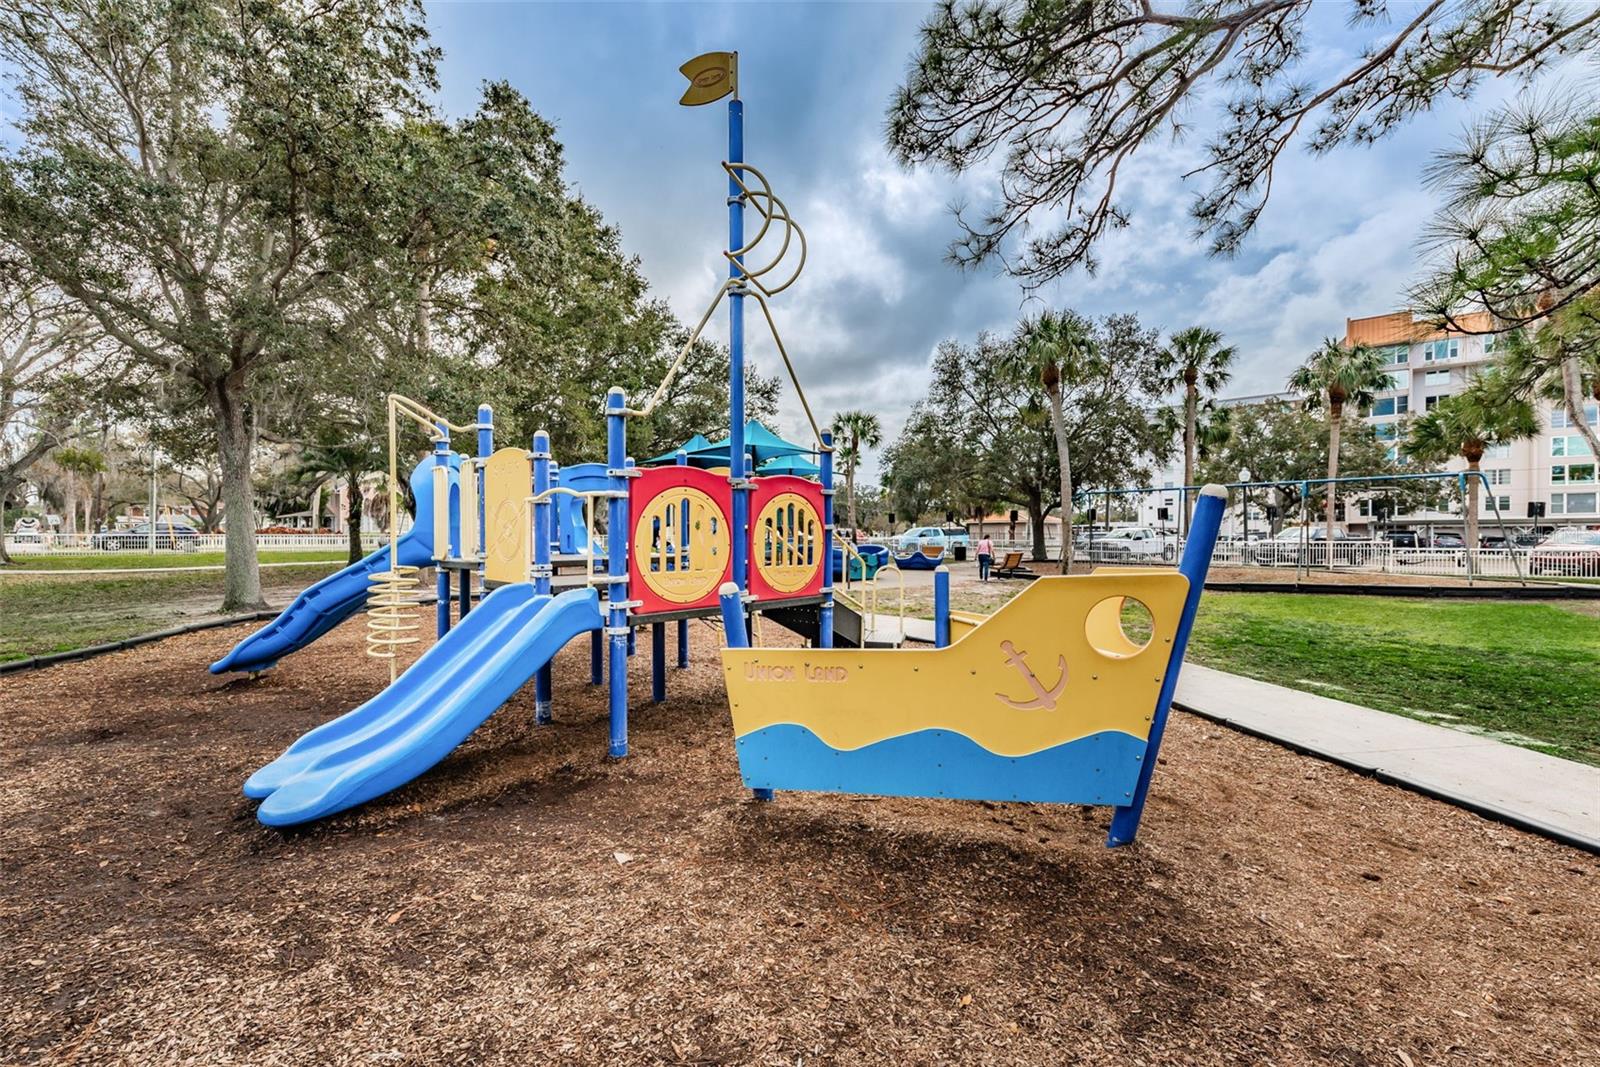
pixel 140 560
pixel 40 615
pixel 1529 669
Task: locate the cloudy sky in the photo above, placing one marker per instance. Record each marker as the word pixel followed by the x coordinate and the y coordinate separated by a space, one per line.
pixel 1340 237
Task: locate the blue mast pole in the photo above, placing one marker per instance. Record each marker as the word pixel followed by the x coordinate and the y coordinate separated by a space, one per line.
pixel 825 612
pixel 741 500
pixel 542 528
pixel 617 630
pixel 441 458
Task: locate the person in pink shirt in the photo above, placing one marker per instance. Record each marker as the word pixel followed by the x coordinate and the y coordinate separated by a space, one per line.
pixel 985 557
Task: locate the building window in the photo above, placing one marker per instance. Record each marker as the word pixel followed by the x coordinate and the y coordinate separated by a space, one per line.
pixel 1498 475
pixel 1499 451
pixel 1383 407
pixel 1431 402
pixel 1572 503
pixel 1559 420
pixel 1395 354
pixel 1573 473
pixel 1386 431
pixel 1436 377
pixel 1504 503
pixel 1439 351
pixel 1398 381
pixel 1571 444
pixel 1490 344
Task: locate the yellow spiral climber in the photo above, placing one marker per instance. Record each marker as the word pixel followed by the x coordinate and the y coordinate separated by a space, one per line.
pixel 391 618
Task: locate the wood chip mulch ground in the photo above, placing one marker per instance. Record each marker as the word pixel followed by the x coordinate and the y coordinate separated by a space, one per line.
pixel 531 902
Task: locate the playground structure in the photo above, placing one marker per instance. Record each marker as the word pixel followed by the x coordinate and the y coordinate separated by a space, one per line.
pixel 597 548
pixel 607 549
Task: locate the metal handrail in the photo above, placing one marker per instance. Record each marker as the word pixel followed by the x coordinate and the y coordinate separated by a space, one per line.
pixel 590 578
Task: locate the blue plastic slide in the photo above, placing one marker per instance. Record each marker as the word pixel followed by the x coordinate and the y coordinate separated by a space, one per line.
pixel 339 596
pixel 429 710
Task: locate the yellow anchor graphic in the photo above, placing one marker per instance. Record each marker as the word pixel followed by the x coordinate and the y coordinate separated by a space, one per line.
pixel 1042 697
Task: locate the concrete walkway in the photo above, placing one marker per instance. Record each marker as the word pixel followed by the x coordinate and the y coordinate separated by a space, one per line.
pixel 1528 789
pixel 1544 794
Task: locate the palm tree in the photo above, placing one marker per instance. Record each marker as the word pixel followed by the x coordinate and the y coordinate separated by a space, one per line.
pixel 348 457
pixel 1487 413
pixel 854 432
pixel 1195 361
pixel 1336 375
pixel 1056 345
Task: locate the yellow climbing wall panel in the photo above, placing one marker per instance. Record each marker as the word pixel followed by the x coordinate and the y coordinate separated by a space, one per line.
pixel 507 484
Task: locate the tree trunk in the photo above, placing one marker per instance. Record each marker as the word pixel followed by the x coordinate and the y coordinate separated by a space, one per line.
pixel 241 573
pixel 1036 517
pixel 352 517
pixel 1335 425
pixel 1572 399
pixel 1191 401
pixel 5 498
pixel 1063 453
pixel 850 493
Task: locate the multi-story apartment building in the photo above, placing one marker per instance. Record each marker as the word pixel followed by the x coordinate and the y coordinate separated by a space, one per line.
pixel 1426 365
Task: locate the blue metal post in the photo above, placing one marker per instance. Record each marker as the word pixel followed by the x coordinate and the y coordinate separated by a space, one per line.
pixel 658 662
pixel 441 458
pixel 542 529
pixel 633 636
pixel 736 630
pixel 941 606
pixel 682 460
pixel 617 569
pixel 1196 562
pixel 485 450
pixel 825 613
pixel 743 577
pixel 733 626
pixel 736 474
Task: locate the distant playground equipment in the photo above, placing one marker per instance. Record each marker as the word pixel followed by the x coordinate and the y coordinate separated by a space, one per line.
pixel 733 528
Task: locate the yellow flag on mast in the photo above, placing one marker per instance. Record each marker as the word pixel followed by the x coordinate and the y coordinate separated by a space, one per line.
pixel 711 77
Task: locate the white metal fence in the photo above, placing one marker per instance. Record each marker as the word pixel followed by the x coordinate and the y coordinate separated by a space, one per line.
pixel 1374 558
pixel 125 542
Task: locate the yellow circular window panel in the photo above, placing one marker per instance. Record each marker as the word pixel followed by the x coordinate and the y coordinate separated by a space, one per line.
pixel 681 545
pixel 788 542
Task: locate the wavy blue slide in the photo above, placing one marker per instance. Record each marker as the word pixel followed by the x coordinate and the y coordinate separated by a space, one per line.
pixel 429 710
pixel 340 595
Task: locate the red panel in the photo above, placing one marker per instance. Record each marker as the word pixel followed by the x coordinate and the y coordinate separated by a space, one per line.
pixel 793 566
pixel 687 563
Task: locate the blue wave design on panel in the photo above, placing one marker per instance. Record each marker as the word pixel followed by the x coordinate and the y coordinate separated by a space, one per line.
pixel 1099 769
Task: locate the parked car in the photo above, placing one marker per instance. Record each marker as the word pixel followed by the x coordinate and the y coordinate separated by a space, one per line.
pixel 1571 551
pixel 950 537
pixel 1139 543
pixel 25 531
pixel 1302 547
pixel 1402 538
pixel 168 535
pixel 1446 539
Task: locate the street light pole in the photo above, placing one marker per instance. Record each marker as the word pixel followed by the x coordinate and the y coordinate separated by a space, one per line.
pixel 152 512
pixel 1244 476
